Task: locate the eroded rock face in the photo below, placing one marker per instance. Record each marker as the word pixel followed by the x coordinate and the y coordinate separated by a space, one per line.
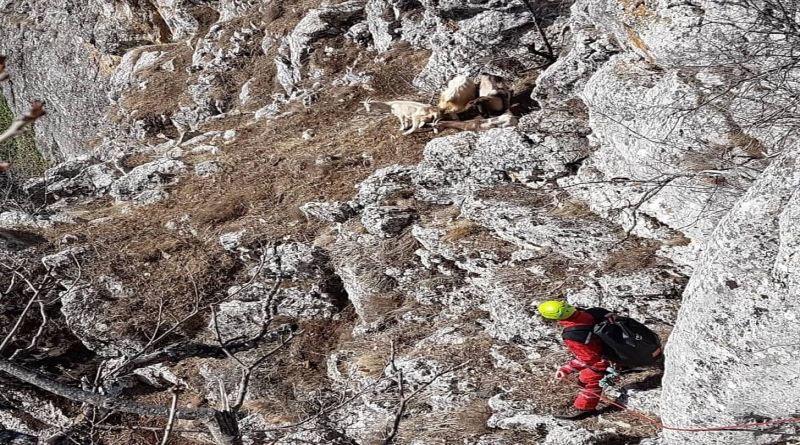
pixel 454 166
pixel 671 155
pixel 489 35
pixel 77 178
pixel 326 21
pixel 50 65
pixel 739 307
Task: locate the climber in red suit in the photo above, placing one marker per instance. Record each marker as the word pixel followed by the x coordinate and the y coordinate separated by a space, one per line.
pixel 588 361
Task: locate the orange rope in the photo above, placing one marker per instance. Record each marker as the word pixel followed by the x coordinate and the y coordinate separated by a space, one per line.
pixel 691 430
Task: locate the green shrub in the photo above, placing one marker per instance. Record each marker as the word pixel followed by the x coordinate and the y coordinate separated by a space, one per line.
pixel 26 161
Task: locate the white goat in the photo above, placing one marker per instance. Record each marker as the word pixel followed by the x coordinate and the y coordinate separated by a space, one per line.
pixel 478 124
pixel 460 91
pixel 494 96
pixel 407 111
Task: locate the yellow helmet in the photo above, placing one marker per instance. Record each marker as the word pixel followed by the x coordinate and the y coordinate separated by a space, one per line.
pixel 556 310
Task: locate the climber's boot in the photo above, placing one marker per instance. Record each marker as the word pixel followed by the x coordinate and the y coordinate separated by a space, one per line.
pixel 575 414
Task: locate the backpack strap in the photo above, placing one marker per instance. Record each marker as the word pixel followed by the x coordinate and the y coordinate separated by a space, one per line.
pixel 580 334
pixel 599 314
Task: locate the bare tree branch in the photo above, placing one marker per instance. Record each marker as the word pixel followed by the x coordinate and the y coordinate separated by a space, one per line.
pixel 548 54
pixel 3 73
pixel 36 292
pixel 36 111
pixel 404 399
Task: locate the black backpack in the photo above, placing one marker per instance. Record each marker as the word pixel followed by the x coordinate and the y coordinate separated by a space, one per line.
pixel 626 342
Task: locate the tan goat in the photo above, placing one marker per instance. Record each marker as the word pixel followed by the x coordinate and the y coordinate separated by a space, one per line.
pixel 479 124
pixel 460 91
pixel 408 112
pixel 494 96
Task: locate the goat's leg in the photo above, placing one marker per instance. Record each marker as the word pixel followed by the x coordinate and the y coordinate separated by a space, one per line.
pixel 414 126
pixel 403 123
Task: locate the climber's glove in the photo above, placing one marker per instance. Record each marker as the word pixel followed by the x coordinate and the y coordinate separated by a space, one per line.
pixel 564 371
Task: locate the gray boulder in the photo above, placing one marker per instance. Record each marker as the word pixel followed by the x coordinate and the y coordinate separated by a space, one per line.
pixel 513 219
pixel 333 212
pixel 207 168
pixel 326 21
pixel 83 308
pixel 73 70
pixel 75 178
pixel 488 35
pixel 147 179
pixel 295 261
pixel 386 221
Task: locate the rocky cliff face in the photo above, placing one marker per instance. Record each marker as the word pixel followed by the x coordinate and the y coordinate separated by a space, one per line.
pixel 233 167
pixel 743 298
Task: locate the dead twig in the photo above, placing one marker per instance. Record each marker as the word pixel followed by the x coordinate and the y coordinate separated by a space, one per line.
pixel 175 390
pixel 404 399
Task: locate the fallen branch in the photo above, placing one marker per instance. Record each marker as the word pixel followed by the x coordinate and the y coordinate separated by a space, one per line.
pixel 222 425
pixel 79 395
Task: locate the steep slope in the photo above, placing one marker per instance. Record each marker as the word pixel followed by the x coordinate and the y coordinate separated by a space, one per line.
pixel 239 201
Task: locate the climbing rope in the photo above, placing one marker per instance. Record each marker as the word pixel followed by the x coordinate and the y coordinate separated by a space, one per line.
pixel 660 425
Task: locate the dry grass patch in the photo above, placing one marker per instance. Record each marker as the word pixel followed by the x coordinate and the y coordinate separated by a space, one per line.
pixel 399 251
pixel 572 207
pixel 371 364
pixel 380 304
pixel 678 239
pixel 635 254
pixel 460 229
pixel 519 195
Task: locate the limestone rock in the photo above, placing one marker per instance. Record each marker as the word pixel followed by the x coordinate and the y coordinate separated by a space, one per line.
pixel 530 228
pixel 238 318
pixel 486 32
pixel 334 212
pixel 294 260
pixel 384 185
pixel 207 168
pixel 73 70
pixel 747 280
pixel 231 241
pixel 231 9
pixel 557 432
pixel 148 177
pixel 22 219
pixel 386 221
pixel 454 166
pixel 326 21
pixel 383 21
pixel 83 306
pixel 23 410
pixel 630 158
pixel 63 259
pixel 75 178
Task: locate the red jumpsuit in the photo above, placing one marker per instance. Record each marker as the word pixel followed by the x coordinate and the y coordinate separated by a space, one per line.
pixel 588 361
